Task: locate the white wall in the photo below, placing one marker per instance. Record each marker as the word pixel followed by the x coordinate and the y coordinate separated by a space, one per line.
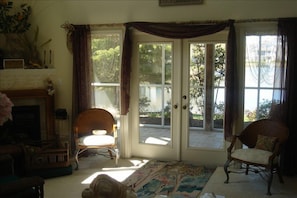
pixel 49 15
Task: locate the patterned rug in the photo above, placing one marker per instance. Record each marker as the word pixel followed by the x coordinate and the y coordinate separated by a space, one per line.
pixel 172 179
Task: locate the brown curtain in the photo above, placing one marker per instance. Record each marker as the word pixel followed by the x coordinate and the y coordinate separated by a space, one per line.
pixel 232 85
pixel 81 92
pixel 286 96
pixel 167 30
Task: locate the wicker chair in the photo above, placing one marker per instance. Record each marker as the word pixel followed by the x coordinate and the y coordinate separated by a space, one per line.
pixel 264 139
pixel 95 129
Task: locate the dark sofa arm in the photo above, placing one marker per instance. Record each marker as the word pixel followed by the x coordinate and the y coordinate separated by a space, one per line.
pixel 34 184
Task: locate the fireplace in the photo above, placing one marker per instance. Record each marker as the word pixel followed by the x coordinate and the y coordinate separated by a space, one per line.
pixel 26 123
pixel 33 114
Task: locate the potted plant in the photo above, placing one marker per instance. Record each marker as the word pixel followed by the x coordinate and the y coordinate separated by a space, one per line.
pixel 14 22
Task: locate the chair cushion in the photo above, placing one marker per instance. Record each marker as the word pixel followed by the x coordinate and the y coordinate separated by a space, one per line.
pixel 252 155
pixel 265 142
pixel 96 140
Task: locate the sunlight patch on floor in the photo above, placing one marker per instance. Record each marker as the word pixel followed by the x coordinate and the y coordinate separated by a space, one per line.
pixel 160 141
pixel 117 173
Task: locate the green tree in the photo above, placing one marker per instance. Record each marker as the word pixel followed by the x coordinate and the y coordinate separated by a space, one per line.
pixel 106 58
pixel 150 63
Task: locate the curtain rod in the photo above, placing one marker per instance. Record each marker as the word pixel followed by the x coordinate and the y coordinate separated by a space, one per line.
pixel 69 26
pixel 256 20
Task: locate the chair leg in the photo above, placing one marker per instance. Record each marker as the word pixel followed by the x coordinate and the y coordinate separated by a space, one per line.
pixel 247 169
pixel 116 153
pixel 280 177
pixel 270 181
pixel 226 165
pixel 41 190
pixel 76 159
pixel 110 153
pixel 117 156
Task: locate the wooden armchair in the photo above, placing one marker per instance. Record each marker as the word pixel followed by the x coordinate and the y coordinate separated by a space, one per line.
pixel 263 139
pixel 95 129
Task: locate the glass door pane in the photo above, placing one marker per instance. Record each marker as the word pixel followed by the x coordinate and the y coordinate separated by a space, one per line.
pixel 155 68
pixel 206 79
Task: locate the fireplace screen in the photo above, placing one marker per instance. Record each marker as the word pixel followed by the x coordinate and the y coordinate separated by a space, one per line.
pixel 26 123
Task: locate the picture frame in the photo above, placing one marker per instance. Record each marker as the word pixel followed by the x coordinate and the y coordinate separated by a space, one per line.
pixel 13 63
pixel 179 2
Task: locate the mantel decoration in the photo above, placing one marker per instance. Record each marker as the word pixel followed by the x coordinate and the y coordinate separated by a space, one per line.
pixel 14 25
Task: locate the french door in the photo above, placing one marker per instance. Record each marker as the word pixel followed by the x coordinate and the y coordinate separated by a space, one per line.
pixel 169 100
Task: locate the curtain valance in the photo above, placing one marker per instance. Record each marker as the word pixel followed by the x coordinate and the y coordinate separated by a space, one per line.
pixel 178 30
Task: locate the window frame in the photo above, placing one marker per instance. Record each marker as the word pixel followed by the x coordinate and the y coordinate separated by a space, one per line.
pixel 243 29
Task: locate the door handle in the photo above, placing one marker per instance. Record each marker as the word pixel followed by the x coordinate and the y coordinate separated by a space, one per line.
pixel 175 106
pixel 185 107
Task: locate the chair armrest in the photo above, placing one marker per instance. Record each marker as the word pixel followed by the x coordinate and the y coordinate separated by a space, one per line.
pixel 115 131
pixel 275 151
pixel 234 138
pixel 20 185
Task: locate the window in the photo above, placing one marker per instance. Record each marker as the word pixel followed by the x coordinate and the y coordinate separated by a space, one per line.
pixel 106 49
pixel 155 66
pixel 260 58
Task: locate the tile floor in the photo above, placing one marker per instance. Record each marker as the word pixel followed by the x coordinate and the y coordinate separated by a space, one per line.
pixel 199 139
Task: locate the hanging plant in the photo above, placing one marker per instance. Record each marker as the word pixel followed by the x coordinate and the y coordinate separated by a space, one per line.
pixel 14 22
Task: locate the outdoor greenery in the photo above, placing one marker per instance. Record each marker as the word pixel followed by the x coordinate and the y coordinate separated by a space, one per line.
pixel 263 111
pixel 150 62
pixel 106 66
pixel 106 58
pixel 197 77
pixel 151 57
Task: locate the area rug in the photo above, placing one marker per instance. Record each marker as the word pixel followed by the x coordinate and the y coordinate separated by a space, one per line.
pixel 172 179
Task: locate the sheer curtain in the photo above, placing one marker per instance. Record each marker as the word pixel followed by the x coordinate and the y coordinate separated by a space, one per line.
pixel 285 95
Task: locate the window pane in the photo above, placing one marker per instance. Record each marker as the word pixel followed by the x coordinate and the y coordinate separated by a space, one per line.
pixel 219 107
pixel 155 68
pixel 250 104
pixel 265 100
pixel 252 61
pixel 196 84
pixel 220 65
pixel 259 74
pixel 107 97
pixel 106 70
pixel 267 54
pixel 106 57
pixel 219 85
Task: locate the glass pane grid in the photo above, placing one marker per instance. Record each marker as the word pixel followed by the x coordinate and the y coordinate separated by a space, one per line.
pixel 259 76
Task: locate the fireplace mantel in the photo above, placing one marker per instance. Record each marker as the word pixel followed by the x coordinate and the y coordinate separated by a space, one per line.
pixel 38 94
